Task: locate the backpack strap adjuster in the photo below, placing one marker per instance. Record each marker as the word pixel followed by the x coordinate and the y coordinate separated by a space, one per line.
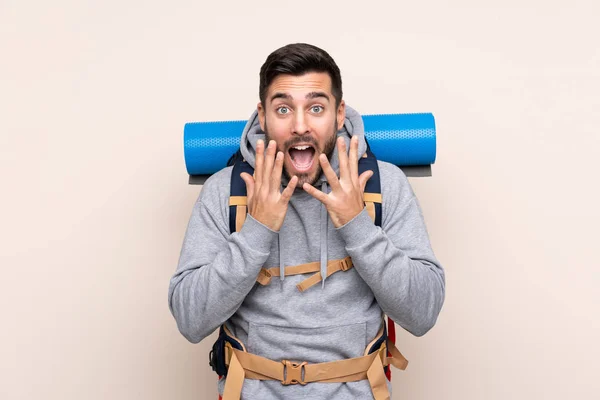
pixel 345 264
pixel 264 276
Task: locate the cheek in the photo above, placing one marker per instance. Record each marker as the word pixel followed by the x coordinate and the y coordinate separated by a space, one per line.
pixel 324 129
pixel 325 123
pixel 274 134
pixel 277 128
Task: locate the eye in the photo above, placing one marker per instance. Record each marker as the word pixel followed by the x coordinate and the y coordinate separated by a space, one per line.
pixel 316 109
pixel 283 110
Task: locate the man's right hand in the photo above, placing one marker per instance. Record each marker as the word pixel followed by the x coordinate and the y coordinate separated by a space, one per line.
pixel 265 203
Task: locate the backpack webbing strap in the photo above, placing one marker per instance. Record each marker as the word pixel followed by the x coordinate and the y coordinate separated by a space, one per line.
pixel 243 365
pixel 333 266
pixel 372 192
pixel 237 193
pixel 241 208
pixel 370 200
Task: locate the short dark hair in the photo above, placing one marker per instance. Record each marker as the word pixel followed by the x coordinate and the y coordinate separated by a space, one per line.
pixel 298 59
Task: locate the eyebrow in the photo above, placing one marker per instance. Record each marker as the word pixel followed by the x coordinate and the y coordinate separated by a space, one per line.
pixel 314 95
pixel 311 95
pixel 280 95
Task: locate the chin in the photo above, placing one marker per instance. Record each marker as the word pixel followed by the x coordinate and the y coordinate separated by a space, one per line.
pixel 305 177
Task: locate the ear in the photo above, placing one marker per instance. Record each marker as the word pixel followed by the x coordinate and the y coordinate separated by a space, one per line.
pixel 341 114
pixel 261 115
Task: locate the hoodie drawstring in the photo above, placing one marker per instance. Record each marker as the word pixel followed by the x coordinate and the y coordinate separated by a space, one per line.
pixel 281 264
pixel 324 220
pixel 323 237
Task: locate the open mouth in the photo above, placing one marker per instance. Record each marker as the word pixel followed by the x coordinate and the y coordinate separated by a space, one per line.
pixel 302 157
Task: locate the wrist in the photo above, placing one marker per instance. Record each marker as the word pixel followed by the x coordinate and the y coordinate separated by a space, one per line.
pixel 259 235
pixel 340 221
pixel 358 230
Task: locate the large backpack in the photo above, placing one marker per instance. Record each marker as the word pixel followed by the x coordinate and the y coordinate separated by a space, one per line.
pixel 372 197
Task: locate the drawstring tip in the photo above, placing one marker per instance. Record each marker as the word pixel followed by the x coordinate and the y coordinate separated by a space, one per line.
pixel 282 273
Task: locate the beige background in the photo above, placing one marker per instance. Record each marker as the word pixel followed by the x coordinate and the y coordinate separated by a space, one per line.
pixel 93 98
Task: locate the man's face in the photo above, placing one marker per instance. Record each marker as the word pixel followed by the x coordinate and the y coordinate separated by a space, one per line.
pixel 300 115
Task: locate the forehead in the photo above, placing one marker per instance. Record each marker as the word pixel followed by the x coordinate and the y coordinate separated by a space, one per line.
pixel 298 86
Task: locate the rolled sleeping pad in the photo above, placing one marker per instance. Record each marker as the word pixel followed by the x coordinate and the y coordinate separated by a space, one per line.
pixel 406 140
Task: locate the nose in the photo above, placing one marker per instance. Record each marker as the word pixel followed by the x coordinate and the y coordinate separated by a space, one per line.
pixel 300 126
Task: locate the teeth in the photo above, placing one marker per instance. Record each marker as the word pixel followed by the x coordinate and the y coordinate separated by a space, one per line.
pixel 301 147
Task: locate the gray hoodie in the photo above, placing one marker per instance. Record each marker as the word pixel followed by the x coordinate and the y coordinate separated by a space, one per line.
pixel 395 272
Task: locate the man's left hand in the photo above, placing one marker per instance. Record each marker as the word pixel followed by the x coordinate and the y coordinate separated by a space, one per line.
pixel 346 198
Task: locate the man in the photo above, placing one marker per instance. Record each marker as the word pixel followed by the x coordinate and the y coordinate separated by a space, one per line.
pixel 305 205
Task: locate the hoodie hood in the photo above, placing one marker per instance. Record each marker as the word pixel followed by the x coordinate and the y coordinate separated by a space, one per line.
pixel 353 126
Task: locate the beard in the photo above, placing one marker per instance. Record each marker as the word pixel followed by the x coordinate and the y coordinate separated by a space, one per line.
pixel 328 148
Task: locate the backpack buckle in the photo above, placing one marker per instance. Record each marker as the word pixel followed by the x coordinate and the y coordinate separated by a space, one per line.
pixel 293 373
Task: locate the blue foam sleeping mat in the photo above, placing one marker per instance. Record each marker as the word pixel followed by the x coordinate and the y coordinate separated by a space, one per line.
pixel 406 140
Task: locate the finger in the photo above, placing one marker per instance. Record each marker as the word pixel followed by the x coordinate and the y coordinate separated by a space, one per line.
pixel 249 181
pixel 363 178
pixel 316 193
pixel 329 172
pixel 260 158
pixel 269 161
pixel 276 175
pixel 353 162
pixel 343 157
pixel 287 193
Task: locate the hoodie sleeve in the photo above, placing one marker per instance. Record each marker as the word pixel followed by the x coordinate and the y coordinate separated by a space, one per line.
pixel 216 270
pixel 396 260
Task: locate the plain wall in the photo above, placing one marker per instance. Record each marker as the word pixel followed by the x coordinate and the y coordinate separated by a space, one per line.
pixel 95 200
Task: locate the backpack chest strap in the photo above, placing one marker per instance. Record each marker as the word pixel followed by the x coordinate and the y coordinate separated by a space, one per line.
pixel 333 266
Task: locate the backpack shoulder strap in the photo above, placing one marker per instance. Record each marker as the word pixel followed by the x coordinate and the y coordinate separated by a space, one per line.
pixel 238 200
pixel 372 199
pixel 372 194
